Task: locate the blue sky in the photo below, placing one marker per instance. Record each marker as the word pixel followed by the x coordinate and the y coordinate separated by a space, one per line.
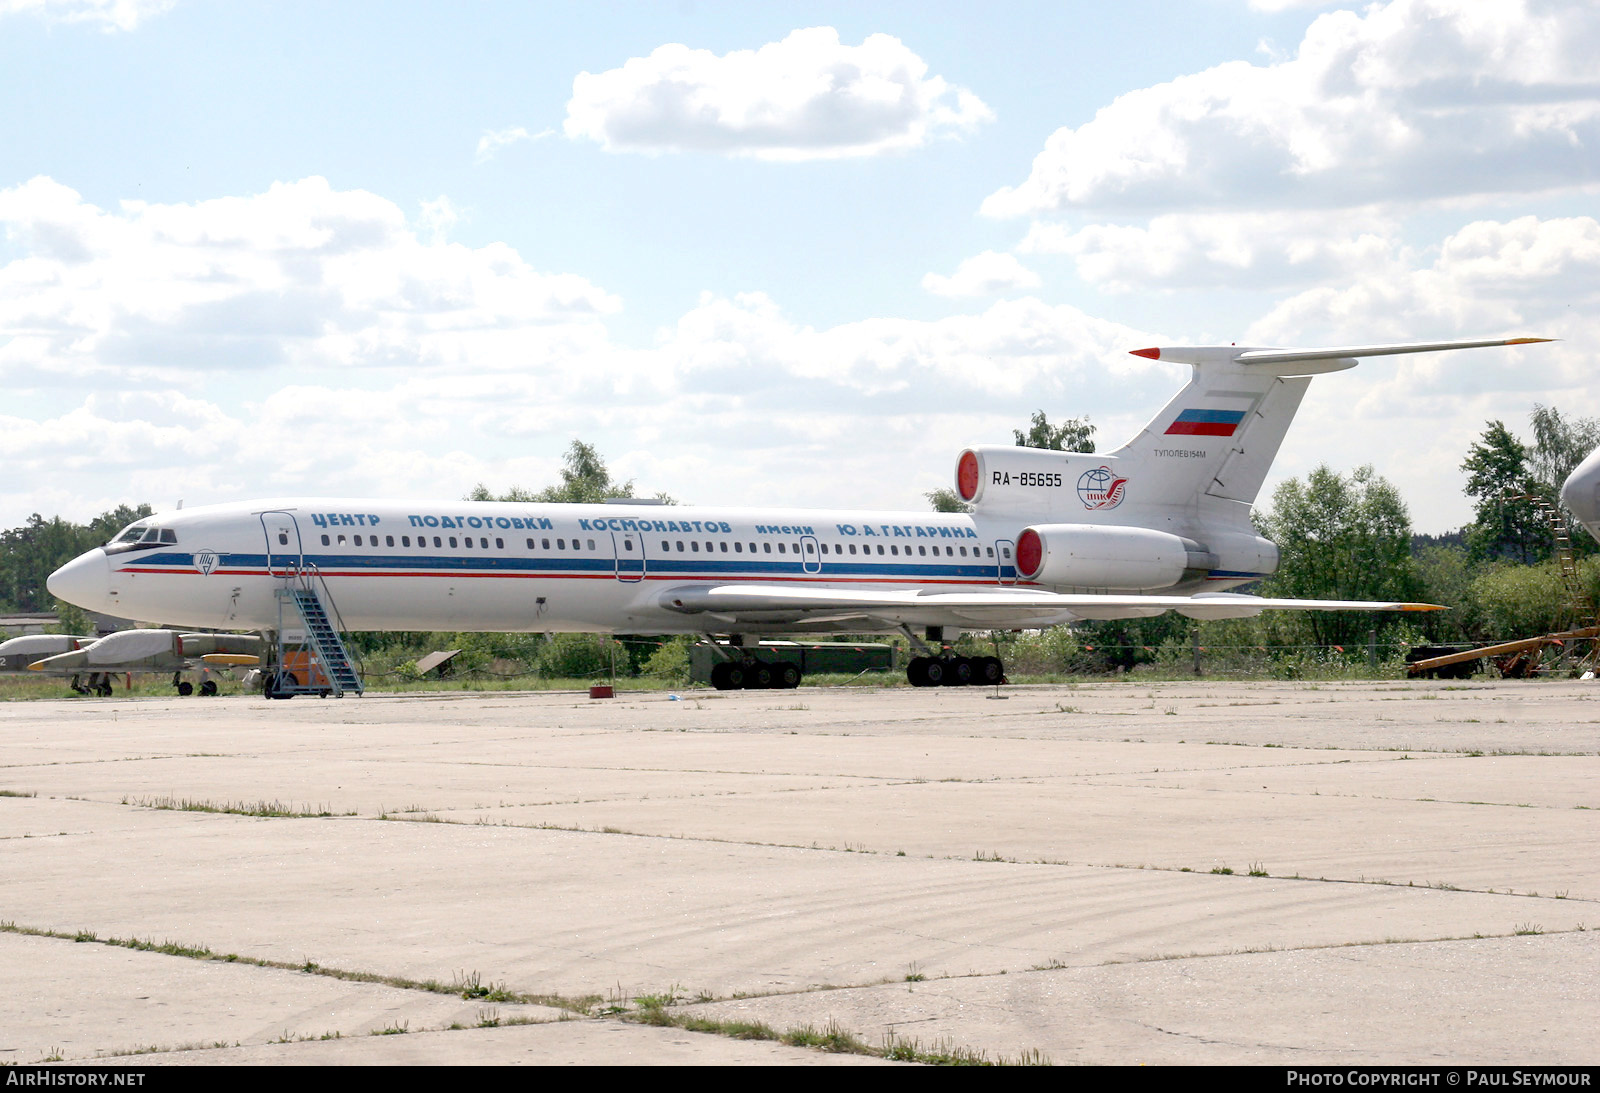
pixel 764 254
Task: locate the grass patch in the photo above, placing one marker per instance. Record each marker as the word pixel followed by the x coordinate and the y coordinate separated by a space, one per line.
pixel 583 1005
pixel 652 1009
pixel 263 807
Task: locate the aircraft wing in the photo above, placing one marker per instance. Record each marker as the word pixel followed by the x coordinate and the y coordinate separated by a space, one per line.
pixel 760 604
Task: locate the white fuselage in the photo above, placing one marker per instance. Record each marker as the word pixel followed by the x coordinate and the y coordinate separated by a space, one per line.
pixel 510 566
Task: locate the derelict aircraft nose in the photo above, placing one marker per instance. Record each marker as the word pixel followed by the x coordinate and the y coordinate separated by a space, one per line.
pixel 83 581
pixel 1581 493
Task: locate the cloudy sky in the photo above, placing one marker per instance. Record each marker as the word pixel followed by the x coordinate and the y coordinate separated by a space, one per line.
pixel 773 253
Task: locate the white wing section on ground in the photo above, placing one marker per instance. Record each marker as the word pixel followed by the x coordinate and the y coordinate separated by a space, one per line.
pixel 757 604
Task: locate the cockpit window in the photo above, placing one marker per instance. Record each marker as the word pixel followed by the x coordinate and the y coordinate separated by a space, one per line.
pixel 141 537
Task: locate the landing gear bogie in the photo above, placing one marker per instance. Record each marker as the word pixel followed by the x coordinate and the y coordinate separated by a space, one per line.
pixel 954 671
pixel 755 675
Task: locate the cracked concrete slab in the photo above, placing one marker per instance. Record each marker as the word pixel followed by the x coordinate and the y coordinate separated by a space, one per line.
pixel 1039 866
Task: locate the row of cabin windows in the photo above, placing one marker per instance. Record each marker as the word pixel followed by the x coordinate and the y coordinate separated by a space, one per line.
pixel 666 546
pixel 693 547
pixel 465 543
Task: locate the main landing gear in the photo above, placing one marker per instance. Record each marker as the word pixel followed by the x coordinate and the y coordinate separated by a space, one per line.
pixel 946 669
pixel 99 685
pixel 755 675
pixel 208 687
pixel 952 671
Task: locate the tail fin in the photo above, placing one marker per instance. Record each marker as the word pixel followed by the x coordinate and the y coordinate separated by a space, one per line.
pixel 1216 440
pixel 1199 463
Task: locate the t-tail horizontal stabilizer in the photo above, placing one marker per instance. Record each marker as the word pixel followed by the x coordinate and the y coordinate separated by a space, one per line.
pixel 1217 438
pixel 1277 360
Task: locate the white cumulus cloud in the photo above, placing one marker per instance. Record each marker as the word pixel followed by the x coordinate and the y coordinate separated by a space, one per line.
pixel 301 274
pixel 988 274
pixel 1409 100
pixel 493 140
pixel 1264 250
pixel 808 96
pixel 109 14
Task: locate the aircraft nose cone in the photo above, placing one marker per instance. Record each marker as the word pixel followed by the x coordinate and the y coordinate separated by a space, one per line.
pixel 84 581
pixel 1581 493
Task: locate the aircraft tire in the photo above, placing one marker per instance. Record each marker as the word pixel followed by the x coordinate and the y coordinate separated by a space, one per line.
pixel 719 676
pixel 185 689
pixel 786 675
pixel 958 672
pixel 934 670
pixel 735 677
pixel 208 688
pixel 103 689
pixel 987 671
pixel 759 677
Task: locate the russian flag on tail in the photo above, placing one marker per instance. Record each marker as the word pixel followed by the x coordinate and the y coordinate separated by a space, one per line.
pixel 1206 423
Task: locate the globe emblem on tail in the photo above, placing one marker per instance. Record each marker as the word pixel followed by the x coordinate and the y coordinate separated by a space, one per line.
pixel 1100 489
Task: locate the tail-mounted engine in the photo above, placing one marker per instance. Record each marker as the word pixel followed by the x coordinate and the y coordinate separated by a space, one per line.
pixel 1015 479
pixel 1099 556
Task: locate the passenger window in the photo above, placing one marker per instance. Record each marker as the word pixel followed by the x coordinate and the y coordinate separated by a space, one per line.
pixel 922 552
pixel 627 544
pixel 341 540
pixel 880 550
pixel 680 546
pixel 388 540
pixel 738 548
pixel 694 546
pixel 724 547
pixel 452 542
pixel 561 544
pixel 405 540
pixel 499 543
pixel 591 543
pixel 468 542
pixel 780 548
pixel 767 547
pixel 810 549
pixel 324 540
pixel 852 548
pixel 358 540
pixel 283 538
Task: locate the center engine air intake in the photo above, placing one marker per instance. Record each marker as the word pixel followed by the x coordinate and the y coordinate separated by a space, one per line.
pixel 1096 556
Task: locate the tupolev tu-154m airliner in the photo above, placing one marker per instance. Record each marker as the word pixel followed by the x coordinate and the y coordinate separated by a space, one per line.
pixel 1160 524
